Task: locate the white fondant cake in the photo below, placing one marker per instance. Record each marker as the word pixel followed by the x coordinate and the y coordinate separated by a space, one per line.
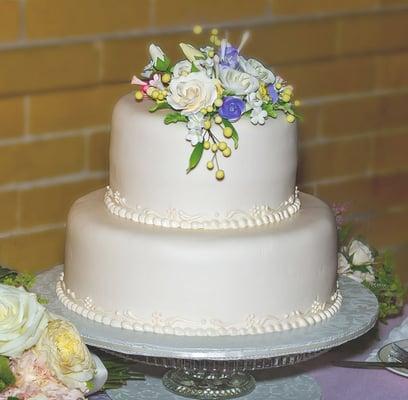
pixel 161 250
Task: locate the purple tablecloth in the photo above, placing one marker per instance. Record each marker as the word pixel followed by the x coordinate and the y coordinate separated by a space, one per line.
pixel 359 384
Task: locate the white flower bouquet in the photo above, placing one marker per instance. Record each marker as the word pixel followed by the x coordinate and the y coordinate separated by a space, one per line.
pixel 41 355
pixel 364 264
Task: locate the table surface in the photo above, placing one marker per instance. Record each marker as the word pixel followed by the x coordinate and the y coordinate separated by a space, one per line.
pixel 358 384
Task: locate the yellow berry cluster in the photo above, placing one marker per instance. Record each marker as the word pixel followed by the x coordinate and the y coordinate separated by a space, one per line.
pixel 214 39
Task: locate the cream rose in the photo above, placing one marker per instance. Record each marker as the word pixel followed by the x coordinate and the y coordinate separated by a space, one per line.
pixel 255 68
pixel 22 320
pixel 360 253
pixel 191 93
pixel 238 83
pixel 66 354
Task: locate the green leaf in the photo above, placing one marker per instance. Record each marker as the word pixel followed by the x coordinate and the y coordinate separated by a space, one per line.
pixel 194 68
pixel 234 136
pixel 12 398
pixel 174 117
pixel 6 376
pixel 195 156
pixel 159 106
pixel 162 65
pixel 6 272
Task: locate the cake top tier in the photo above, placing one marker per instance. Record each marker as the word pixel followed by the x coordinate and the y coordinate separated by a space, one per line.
pixel 209 90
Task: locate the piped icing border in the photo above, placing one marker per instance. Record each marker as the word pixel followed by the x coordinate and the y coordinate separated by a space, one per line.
pixel 251 324
pixel 257 216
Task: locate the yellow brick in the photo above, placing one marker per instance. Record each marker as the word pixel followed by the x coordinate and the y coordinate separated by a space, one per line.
pixel 289 41
pixel 177 12
pixel 291 7
pixel 50 205
pixel 11 117
pixel 9 20
pixel 390 152
pixel 386 229
pixel 330 77
pixel 308 126
pixel 45 18
pixel 8 210
pixel 367 194
pixel 124 58
pixel 363 114
pixel 33 252
pixel 392 71
pixel 40 68
pixel 99 151
pixel 27 161
pixel 73 109
pixel 385 31
pixel 323 161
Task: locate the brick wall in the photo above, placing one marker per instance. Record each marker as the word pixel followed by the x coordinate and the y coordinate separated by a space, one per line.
pixel 63 63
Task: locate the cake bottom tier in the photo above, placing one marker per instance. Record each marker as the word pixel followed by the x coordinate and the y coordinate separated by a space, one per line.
pixel 183 282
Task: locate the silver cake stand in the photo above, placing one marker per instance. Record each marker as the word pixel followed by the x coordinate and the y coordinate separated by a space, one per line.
pixel 218 367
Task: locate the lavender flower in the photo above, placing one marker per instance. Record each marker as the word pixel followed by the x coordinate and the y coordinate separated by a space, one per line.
pixel 273 94
pixel 232 108
pixel 229 56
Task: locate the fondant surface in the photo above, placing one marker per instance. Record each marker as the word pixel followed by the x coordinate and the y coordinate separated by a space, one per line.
pixel 189 282
pixel 148 162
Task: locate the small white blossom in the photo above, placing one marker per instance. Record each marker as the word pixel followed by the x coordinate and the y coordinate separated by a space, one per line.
pixel 253 101
pixel 148 70
pixel 195 128
pixel 206 65
pixel 195 136
pixel 258 116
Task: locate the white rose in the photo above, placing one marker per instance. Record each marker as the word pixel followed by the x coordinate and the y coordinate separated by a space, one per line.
pixel 66 354
pixel 255 68
pixel 182 68
pixel 360 253
pixel 191 93
pixel 360 276
pixel 237 82
pixel 22 320
pixel 343 266
pixel 156 53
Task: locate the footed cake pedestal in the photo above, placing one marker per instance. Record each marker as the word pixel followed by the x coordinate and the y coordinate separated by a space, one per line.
pixel 218 367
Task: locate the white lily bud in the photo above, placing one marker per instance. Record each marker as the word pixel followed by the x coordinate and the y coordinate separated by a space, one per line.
pixel 191 52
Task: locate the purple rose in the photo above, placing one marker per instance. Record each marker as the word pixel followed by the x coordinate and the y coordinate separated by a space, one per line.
pixel 232 108
pixel 229 57
pixel 273 94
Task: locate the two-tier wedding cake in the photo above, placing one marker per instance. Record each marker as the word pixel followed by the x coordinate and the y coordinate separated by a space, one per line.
pixel 208 236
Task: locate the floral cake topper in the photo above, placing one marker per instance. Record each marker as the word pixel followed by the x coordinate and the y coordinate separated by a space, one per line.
pixel 210 90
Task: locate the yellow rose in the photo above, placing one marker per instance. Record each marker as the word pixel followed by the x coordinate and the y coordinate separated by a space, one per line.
pixel 22 320
pixel 67 355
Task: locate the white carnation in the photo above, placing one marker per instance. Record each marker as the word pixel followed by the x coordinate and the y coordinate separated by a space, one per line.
pixel 256 69
pixel 238 83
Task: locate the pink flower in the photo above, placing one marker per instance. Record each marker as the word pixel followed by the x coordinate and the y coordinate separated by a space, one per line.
pixel 34 379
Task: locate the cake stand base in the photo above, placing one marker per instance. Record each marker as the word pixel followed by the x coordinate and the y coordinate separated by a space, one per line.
pixel 216 367
pixel 280 384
